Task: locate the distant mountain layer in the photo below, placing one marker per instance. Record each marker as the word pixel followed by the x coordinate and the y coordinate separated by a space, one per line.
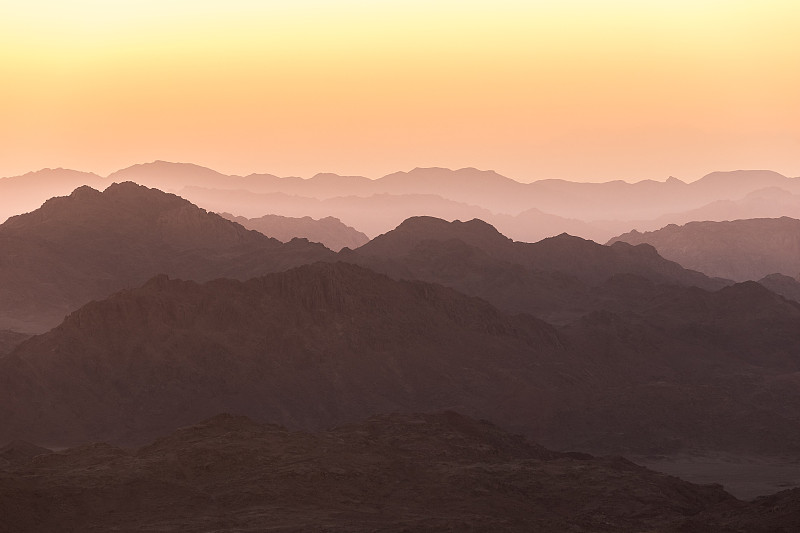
pixel 332 343
pixel 328 231
pixel 373 214
pixel 739 250
pixel 523 211
pixel 90 244
pixel 616 200
pixel 435 472
pixel 22 194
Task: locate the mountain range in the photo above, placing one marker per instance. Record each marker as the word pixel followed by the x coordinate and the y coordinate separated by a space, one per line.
pixel 577 345
pixel 523 211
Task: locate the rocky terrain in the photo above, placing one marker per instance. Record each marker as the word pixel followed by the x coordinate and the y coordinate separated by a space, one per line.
pixel 328 231
pixel 438 472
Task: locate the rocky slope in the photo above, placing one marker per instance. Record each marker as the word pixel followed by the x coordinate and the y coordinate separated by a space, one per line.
pixel 438 472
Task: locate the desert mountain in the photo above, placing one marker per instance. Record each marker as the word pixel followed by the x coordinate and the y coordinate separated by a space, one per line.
pixel 557 279
pixel 329 231
pixel 739 249
pixel 90 244
pixel 439 472
pixel 327 343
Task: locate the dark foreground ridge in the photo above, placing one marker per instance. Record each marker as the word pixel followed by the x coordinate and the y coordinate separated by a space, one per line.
pixel 436 472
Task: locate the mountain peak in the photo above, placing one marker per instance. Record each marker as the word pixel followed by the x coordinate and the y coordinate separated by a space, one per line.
pixel 85 192
pixel 415 230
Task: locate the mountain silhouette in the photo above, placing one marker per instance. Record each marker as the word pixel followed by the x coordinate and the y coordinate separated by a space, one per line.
pixel 21 194
pixel 374 214
pixel 739 250
pixel 90 244
pixel 524 211
pixel 329 231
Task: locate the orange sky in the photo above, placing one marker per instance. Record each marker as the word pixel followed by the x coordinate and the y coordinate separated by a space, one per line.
pixel 576 89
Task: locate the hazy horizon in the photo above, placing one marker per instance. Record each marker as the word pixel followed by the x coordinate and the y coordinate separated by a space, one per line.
pixel 377 177
pixel 584 91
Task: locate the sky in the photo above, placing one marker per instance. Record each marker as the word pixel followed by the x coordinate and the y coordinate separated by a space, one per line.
pixel 573 89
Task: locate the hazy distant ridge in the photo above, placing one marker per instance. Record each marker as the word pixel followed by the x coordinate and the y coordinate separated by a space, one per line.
pixel 523 211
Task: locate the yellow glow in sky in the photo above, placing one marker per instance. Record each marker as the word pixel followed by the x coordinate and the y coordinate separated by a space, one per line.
pixel 585 90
